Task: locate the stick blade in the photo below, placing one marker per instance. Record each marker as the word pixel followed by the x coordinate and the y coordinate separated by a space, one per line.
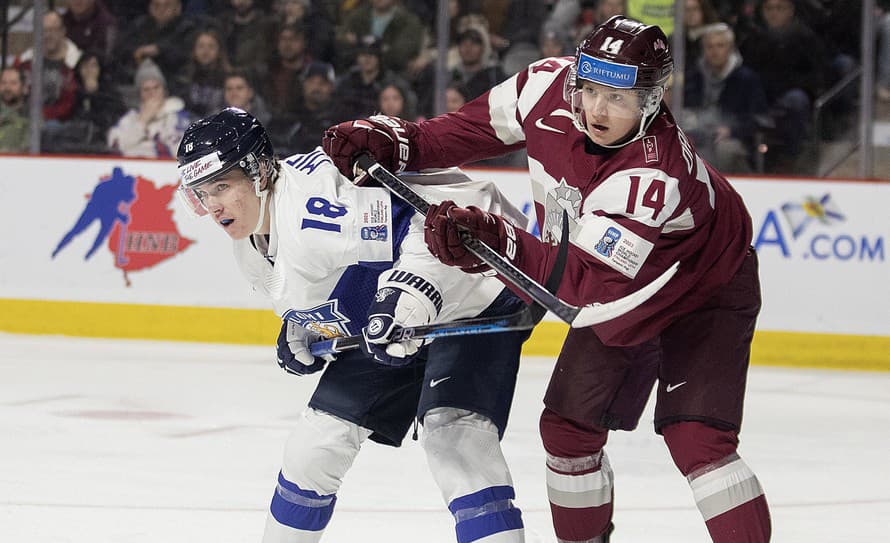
pixel 598 313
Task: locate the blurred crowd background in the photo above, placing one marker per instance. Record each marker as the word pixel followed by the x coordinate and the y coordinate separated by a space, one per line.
pixel 769 86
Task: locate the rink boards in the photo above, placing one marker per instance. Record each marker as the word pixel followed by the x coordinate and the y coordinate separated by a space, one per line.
pixel 162 274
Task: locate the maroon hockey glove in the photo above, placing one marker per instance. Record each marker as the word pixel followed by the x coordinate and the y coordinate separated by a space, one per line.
pixel 387 139
pixel 442 233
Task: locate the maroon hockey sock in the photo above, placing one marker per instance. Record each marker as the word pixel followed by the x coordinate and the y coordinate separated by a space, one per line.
pixel 746 523
pixel 579 479
pixel 726 491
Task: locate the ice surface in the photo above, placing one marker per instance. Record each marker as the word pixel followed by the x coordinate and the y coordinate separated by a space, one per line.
pixel 138 442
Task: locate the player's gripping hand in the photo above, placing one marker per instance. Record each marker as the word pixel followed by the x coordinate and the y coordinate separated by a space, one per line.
pixel 394 308
pixel 293 350
pixel 387 139
pixel 442 233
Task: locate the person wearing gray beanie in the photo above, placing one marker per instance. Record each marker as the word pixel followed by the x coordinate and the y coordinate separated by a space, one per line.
pixel 155 127
pixel 149 70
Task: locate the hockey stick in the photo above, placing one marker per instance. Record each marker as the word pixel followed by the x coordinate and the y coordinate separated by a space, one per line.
pixel 520 320
pixel 577 317
pixel 526 319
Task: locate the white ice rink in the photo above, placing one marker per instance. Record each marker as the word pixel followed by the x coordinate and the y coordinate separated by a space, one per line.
pixel 137 442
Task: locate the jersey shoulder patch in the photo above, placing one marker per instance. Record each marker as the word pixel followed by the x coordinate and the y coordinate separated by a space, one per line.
pixel 614 244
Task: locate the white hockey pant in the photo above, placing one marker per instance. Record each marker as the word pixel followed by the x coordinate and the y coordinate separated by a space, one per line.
pixel 318 453
pixel 465 458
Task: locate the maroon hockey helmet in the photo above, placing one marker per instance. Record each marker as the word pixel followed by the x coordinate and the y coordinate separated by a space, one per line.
pixel 622 54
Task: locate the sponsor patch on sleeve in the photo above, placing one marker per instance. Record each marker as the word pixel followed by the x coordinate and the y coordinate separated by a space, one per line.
pixel 377 232
pixel 613 244
pixel 375 225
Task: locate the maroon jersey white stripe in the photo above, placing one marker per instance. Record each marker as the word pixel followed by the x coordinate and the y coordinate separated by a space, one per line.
pixel 634 210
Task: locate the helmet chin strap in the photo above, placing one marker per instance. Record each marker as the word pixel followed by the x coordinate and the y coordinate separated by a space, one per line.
pixel 645 121
pixel 256 171
pixel 264 195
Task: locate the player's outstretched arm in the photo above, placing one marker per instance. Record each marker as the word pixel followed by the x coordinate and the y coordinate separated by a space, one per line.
pixel 387 139
pixel 447 225
pixel 485 127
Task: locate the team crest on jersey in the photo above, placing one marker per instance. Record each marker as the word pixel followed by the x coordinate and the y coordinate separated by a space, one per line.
pixel 374 233
pixel 325 319
pixel 650 149
pixel 562 197
pixel 606 244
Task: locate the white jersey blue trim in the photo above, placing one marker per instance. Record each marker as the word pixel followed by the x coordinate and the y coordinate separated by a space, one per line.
pixel 330 240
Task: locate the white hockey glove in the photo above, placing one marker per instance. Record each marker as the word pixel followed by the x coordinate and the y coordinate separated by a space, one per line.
pixel 293 350
pixel 403 301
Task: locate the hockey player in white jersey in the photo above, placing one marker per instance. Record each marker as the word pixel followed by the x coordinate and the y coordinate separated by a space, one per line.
pixel 328 253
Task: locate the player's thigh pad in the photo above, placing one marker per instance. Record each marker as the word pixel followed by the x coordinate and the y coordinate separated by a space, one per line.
pixel 320 450
pixel 475 372
pixel 602 386
pixel 706 354
pixel 357 389
pixel 463 452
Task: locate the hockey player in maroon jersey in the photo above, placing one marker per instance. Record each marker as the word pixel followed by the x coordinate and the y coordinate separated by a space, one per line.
pixel 603 146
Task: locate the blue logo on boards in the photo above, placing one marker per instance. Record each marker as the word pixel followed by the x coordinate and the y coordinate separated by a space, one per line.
pixel 619 76
pixel 814 227
pixel 135 222
pixel 109 205
pixel 606 244
pixel 374 233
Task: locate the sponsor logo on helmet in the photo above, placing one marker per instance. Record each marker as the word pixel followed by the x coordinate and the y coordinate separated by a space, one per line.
pixel 199 168
pixel 612 74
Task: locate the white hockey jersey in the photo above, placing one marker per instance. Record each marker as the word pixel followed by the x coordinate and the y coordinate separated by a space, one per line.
pixel 331 242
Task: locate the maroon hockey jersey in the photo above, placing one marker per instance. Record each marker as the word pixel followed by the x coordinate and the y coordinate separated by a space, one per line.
pixel 634 210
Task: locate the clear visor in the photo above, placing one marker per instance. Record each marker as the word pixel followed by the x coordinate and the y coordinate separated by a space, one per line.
pixel 594 100
pixel 192 202
pixel 195 174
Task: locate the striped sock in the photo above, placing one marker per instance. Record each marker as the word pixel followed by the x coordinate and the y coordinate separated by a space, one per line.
pixel 487 515
pixel 731 501
pixel 580 493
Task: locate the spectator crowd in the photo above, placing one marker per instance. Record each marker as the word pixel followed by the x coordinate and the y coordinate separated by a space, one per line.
pixel 127 77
